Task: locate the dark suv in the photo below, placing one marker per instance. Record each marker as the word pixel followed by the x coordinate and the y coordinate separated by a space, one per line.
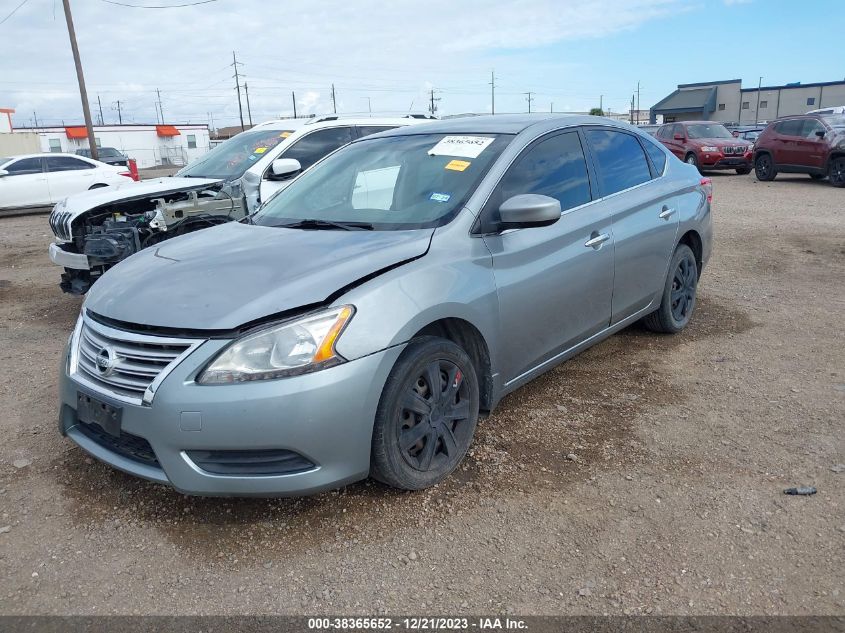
pixel 811 144
pixel 108 155
pixel 706 145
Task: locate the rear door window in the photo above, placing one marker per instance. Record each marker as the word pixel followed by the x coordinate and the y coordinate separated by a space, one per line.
pixel 657 156
pixel 66 163
pixel 314 146
pixel 620 160
pixel 790 128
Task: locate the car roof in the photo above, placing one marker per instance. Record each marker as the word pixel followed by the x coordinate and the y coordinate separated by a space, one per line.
pixel 43 154
pixel 503 124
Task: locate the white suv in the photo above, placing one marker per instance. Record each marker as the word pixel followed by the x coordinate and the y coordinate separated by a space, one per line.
pixel 97 229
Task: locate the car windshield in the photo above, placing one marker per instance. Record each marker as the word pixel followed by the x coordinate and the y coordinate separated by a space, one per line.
pixel 708 130
pixel 390 183
pixel 231 159
pixel 108 151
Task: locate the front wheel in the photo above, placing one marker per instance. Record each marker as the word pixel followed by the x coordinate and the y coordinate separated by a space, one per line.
pixel 427 415
pixel 764 167
pixel 692 159
pixel 679 294
pixel 837 172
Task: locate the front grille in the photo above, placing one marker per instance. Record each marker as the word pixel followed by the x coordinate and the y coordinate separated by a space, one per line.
pixel 128 445
pixel 60 224
pixel 125 365
pixel 733 150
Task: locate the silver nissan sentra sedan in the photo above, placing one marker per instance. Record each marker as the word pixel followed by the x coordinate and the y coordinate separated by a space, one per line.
pixel 362 319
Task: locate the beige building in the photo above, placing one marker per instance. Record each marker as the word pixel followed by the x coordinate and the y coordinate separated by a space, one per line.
pixel 729 102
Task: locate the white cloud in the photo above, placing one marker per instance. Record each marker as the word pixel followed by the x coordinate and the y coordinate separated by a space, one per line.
pixel 392 52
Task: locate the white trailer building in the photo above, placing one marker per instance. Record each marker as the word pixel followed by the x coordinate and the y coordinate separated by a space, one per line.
pixel 149 145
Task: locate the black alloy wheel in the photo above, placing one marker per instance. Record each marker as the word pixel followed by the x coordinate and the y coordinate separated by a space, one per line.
pixel 426 416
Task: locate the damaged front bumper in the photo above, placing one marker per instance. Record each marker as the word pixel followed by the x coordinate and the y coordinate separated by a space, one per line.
pixel 66 258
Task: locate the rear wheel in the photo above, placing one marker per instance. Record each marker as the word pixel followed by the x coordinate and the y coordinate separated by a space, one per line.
pixel 764 167
pixel 679 294
pixel 426 416
pixel 837 172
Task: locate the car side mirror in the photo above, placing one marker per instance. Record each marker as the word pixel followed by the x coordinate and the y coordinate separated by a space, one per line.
pixel 528 210
pixel 3 172
pixel 820 133
pixel 679 137
pixel 284 168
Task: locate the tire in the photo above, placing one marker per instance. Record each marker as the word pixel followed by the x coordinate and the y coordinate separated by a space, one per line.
pixel 743 171
pixel 764 168
pixel 836 173
pixel 419 438
pixel 817 176
pixel 692 159
pixel 679 294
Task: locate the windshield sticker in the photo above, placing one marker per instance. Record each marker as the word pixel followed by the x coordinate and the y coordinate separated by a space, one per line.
pixel 285 134
pixel 252 157
pixel 440 197
pixel 260 150
pixel 463 146
pixel 458 165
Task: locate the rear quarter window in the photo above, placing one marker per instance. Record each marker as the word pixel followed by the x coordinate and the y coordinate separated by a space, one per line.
pixel 620 160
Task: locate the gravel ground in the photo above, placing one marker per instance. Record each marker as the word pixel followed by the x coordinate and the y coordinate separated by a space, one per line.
pixel 644 476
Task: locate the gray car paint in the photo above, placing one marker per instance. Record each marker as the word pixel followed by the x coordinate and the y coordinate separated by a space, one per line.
pixel 537 296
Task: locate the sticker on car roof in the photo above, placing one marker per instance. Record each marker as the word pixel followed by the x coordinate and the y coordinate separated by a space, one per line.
pixel 463 146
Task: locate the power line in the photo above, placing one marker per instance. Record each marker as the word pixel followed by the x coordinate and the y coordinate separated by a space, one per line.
pixel 157 6
pixel 15 10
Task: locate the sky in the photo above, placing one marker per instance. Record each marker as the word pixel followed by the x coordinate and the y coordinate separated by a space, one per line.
pixel 386 56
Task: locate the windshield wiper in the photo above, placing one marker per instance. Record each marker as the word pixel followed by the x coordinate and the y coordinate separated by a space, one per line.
pixel 326 225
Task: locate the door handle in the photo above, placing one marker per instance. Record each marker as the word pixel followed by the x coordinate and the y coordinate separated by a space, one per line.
pixel 597 240
pixel 666 213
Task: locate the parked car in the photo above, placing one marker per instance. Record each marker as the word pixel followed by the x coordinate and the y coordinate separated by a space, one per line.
pixel 706 145
pixel 811 144
pixel 649 128
pixel 366 315
pixel 830 110
pixel 37 180
pixel 95 231
pixel 749 134
pixel 108 155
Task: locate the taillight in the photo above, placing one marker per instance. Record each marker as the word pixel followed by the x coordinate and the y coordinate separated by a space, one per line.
pixel 707 185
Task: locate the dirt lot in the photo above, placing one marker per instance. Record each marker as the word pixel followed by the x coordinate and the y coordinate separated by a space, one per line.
pixel 673 502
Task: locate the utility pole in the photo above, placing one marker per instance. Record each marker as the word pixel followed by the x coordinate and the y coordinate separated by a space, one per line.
pixel 369 105
pixel 632 109
pixel 601 103
pixel 248 110
pixel 757 109
pixel 334 101
pixel 638 102
pixel 35 117
pixel 432 108
pixel 83 93
pixel 552 106
pixel 238 88
pixel 529 99
pixel 100 105
pixel 116 106
pixel 492 92
pixel 160 109
pixel 293 99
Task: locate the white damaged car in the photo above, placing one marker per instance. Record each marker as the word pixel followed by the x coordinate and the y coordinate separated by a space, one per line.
pixel 96 229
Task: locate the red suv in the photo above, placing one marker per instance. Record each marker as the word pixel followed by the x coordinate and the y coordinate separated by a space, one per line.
pixel 811 144
pixel 706 145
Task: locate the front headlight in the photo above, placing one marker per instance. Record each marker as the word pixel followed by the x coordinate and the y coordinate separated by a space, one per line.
pixel 709 148
pixel 296 347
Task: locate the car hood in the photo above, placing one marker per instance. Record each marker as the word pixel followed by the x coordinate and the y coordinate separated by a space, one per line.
pixel 79 203
pixel 224 277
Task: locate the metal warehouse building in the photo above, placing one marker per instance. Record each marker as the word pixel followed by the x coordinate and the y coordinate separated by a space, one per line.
pixel 729 102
